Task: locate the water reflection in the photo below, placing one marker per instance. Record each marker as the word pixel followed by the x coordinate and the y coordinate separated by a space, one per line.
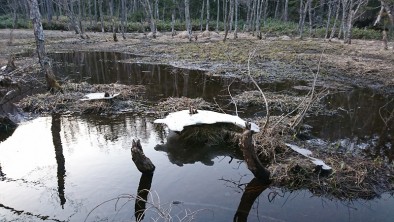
pixel 100 164
pixel 2 175
pixel 60 160
pixel 358 115
pixel 142 195
pixel 161 81
pixel 252 191
pixel 181 152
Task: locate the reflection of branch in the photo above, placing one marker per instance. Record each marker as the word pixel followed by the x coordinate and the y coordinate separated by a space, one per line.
pixel 142 195
pixel 252 191
pixel 391 115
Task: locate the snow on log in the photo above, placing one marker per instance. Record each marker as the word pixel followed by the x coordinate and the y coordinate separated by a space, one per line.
pixel 308 153
pixel 178 120
pixel 98 96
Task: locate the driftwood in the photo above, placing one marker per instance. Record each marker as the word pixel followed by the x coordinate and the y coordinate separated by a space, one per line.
pixel 250 155
pixel 143 163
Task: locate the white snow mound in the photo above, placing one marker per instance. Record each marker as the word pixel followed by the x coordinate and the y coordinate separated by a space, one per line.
pixel 178 120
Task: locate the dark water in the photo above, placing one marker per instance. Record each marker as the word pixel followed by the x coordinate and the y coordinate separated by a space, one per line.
pixel 59 168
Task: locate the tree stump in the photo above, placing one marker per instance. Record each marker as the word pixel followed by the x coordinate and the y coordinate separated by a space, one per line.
pixel 143 163
pixel 250 155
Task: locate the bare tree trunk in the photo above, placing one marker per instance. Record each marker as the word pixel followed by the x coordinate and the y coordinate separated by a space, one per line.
pixel 208 17
pixel 217 15
pixel 187 18
pixel 123 18
pixel 226 23
pixel 91 18
pixel 69 8
pixel 248 15
pixel 258 18
pixel 342 29
pixel 95 13
pixel 35 17
pixel 310 17
pixel 389 11
pixel 349 27
pixel 231 14
pixel 265 14
pixel 236 20
pixel 101 16
pixel 157 9
pixel 49 11
pixel 80 18
pixel 286 11
pixel 303 9
pixel 253 16
pixel 328 18
pixel 111 10
pixel 173 18
pixel 149 11
pixel 333 30
pixel 384 33
pixel 202 15
pixel 276 9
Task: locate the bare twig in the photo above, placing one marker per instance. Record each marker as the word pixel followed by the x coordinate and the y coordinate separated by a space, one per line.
pixel 311 95
pixel 261 91
pixel 232 99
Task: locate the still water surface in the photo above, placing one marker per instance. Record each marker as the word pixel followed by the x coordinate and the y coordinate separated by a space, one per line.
pixel 60 168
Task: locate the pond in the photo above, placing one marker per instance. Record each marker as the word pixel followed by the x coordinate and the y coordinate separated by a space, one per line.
pixel 72 168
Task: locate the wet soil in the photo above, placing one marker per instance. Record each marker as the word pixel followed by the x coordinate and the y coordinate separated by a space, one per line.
pixel 363 63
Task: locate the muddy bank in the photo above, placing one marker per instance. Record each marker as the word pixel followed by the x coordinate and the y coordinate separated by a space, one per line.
pixel 363 63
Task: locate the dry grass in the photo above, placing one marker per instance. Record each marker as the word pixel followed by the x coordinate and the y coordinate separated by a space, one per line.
pixel 352 176
pixel 69 101
pixel 173 104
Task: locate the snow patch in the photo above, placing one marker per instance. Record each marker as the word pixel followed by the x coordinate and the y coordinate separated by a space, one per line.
pixel 308 154
pixel 95 96
pixel 176 121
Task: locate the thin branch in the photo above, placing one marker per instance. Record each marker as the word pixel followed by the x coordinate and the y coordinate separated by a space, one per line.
pixel 311 94
pixel 261 91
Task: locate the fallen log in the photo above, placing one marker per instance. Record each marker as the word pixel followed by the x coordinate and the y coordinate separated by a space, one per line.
pixel 143 163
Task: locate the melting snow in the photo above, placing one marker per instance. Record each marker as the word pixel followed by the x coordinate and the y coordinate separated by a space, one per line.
pixel 308 153
pixel 178 120
pixel 95 96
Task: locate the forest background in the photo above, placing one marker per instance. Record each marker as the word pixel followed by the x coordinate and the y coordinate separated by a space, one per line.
pixel 343 19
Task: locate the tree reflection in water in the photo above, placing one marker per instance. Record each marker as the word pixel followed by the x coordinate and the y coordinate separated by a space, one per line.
pixel 60 160
pixel 142 195
pixel 252 191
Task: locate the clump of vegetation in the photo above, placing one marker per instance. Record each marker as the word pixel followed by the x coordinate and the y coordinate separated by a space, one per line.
pixel 69 101
pixel 173 104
